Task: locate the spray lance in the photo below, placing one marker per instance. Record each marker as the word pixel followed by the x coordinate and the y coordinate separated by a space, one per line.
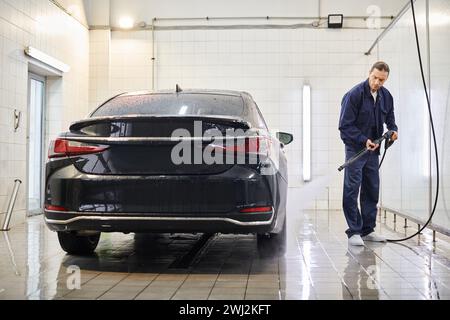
pixel 386 137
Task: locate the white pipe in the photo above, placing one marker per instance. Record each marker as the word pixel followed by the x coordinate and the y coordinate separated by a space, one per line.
pixel 389 27
pixel 12 201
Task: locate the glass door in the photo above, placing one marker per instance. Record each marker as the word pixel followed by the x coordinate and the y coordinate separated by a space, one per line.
pixel 36 100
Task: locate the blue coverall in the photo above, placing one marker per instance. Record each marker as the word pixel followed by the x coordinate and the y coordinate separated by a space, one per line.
pixel 362 118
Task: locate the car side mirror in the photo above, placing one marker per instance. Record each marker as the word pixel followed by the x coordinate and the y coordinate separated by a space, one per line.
pixel 284 137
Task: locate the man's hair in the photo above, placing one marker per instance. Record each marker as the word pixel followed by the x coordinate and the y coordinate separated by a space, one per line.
pixel 380 65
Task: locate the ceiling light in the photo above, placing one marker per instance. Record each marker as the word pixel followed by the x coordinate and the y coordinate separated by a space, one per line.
pixel 126 23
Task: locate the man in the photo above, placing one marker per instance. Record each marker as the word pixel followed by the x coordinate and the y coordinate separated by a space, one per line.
pixel 364 110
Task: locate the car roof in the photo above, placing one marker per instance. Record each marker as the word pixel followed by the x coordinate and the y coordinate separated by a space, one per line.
pixel 187 91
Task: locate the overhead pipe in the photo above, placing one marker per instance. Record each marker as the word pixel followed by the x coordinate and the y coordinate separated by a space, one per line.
pixel 207 18
pixel 63 9
pixel 389 27
pixel 263 18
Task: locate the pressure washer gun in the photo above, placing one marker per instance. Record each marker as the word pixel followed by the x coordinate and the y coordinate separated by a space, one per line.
pixel 386 137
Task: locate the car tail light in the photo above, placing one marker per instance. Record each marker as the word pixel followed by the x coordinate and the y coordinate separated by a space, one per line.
pixel 63 148
pixel 54 208
pixel 251 145
pixel 256 209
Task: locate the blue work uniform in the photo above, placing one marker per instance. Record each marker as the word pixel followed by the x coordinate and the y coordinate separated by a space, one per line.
pixel 362 118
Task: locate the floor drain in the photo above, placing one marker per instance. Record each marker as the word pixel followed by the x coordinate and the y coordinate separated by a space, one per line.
pixel 185 261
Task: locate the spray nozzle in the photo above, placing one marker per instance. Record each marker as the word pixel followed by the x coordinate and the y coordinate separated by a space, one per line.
pixel 388 138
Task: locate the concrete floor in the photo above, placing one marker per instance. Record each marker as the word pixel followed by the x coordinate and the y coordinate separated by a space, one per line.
pixel 317 264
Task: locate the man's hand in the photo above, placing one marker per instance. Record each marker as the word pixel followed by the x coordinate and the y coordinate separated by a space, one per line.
pixel 371 146
pixel 394 136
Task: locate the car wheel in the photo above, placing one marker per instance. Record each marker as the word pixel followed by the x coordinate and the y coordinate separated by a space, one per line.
pixel 76 244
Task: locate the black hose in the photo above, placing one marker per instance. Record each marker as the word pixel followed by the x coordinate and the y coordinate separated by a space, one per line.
pixel 432 129
pixel 382 158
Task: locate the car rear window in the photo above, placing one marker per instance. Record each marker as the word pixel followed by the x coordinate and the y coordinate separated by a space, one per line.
pixel 172 104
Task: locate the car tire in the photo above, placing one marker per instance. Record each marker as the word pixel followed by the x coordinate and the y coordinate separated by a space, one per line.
pixel 76 244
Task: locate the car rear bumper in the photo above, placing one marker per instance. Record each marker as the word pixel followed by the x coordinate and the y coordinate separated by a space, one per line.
pixel 76 201
pixel 208 195
pixel 132 222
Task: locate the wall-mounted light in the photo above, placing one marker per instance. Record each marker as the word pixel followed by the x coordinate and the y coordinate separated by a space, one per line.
pixel 45 58
pixel 306 132
pixel 335 20
pixel 126 23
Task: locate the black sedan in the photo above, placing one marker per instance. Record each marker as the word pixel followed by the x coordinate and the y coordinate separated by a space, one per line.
pixel 167 161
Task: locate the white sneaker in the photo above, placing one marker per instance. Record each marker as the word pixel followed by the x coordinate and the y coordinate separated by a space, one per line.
pixel 356 250
pixel 355 240
pixel 374 237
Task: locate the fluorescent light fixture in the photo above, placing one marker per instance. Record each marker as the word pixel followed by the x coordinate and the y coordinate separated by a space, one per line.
pixel 45 58
pixel 306 133
pixel 335 20
pixel 126 23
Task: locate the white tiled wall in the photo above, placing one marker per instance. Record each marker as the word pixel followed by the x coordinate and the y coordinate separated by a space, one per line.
pixel 440 97
pixel 405 180
pixel 272 65
pixel 131 64
pixel 40 24
pixel 99 67
pixel 406 174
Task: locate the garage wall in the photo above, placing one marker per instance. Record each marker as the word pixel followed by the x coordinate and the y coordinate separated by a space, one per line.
pixel 409 174
pixel 41 24
pixel 405 175
pixel 272 65
pixel 440 97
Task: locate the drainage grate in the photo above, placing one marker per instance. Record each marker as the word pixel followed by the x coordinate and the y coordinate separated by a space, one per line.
pixel 185 261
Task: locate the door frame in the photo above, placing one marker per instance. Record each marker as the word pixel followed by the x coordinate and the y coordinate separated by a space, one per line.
pixel 42 79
